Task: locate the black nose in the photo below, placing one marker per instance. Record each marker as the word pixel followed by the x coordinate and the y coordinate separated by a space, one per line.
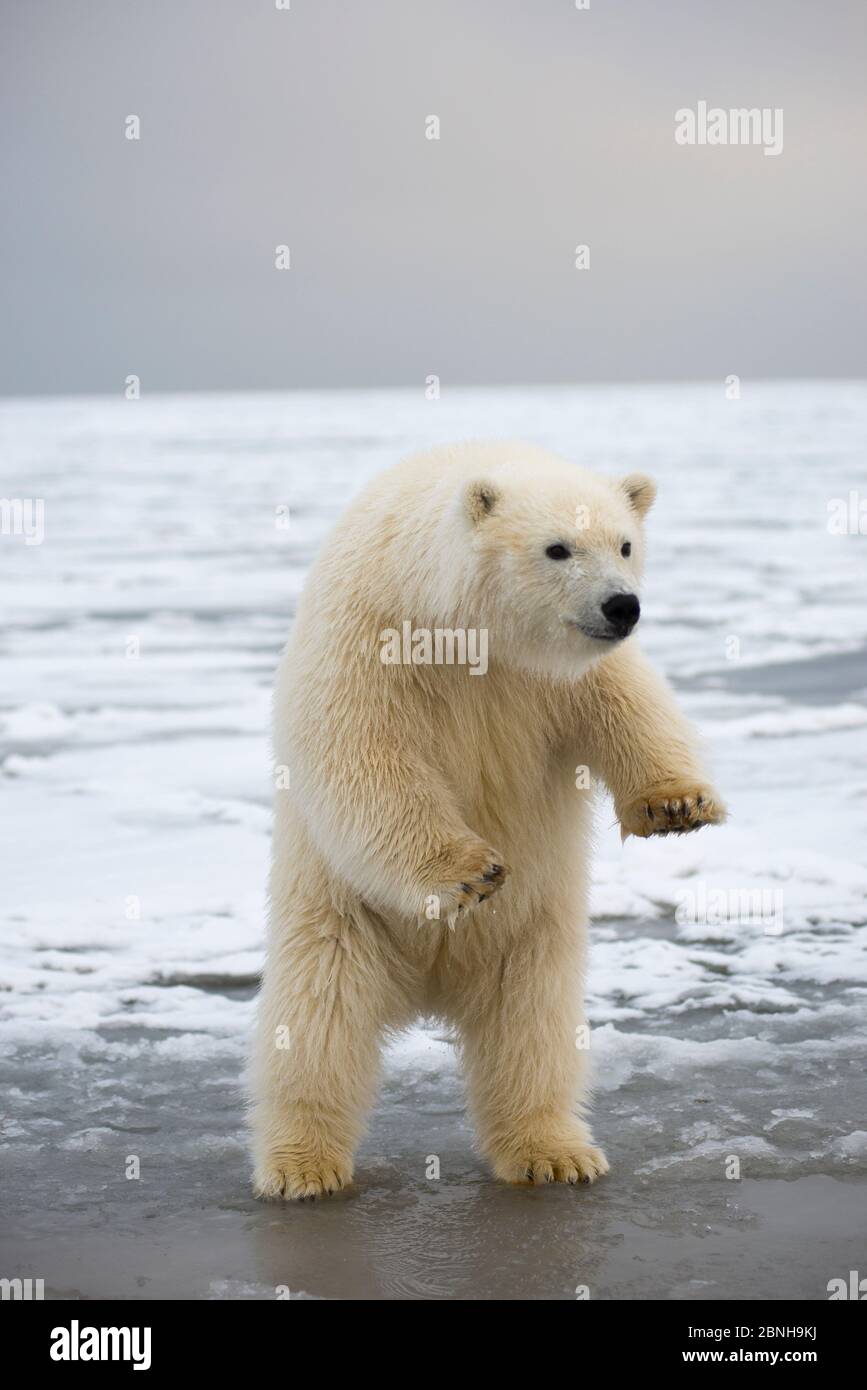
pixel 622 612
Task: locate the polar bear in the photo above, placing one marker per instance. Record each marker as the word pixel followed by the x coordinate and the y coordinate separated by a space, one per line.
pixel 430 852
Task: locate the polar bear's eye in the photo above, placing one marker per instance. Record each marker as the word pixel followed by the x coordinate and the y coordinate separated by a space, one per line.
pixel 557 552
pixel 626 548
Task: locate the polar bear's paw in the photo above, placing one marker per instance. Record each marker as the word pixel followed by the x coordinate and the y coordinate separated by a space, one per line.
pixel 672 811
pixel 477 872
pixel 295 1178
pixel 562 1158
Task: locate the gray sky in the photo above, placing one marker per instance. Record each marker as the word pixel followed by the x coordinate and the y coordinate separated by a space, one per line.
pixel 409 257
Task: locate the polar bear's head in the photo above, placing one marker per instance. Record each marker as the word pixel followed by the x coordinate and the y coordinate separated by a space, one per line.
pixel 557 558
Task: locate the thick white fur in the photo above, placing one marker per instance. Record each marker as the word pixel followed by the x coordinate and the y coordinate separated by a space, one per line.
pixel 410 782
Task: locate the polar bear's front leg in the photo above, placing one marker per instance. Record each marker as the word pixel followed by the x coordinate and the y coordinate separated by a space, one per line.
pixel 641 745
pixel 385 818
pixel 525 1055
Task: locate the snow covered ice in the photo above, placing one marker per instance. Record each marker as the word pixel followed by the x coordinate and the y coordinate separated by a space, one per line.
pixel 138 646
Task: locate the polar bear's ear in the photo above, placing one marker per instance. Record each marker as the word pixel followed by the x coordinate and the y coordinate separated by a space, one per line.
pixel 640 491
pixel 480 499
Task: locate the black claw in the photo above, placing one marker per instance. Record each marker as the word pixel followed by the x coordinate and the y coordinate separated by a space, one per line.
pixel 494 872
pixel 466 887
pixel 649 809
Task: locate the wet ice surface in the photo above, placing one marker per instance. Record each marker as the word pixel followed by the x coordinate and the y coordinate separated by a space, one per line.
pixel 136 797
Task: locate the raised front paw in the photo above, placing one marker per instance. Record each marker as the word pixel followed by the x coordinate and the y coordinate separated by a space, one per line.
pixel 475 872
pixel 672 810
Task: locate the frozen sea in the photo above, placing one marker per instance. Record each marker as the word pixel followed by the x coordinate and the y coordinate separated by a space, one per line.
pixel 139 641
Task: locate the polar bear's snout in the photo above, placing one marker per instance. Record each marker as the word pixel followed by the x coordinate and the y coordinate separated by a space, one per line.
pixel 621 612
